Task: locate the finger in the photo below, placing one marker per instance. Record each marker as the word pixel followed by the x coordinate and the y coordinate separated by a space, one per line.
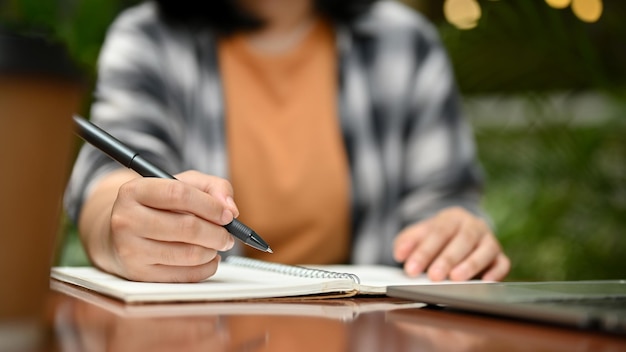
pixel 459 247
pixel 445 220
pixel 407 240
pixel 138 251
pixel 499 269
pixel 176 196
pixel 213 185
pixel 165 273
pixel 433 243
pixel 433 234
pixel 167 226
pixel 484 254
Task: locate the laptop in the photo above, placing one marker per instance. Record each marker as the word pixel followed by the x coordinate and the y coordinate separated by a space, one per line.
pixel 597 305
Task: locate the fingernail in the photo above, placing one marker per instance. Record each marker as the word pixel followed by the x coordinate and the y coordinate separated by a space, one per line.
pixel 411 267
pixel 231 204
pixel 436 273
pixel 230 244
pixel 227 216
pixel 401 251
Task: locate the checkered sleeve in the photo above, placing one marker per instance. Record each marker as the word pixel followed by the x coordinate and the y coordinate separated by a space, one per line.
pixel 440 166
pixel 411 149
pixel 130 103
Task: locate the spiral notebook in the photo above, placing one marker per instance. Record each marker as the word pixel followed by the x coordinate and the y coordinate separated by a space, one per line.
pixel 239 278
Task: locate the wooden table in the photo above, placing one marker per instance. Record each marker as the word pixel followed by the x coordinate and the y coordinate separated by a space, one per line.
pixel 85 321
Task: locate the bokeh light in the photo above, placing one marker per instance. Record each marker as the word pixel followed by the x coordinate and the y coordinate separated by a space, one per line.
pixel 587 10
pixel 463 14
pixel 559 4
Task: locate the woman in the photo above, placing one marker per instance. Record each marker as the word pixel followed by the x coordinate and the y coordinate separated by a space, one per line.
pixel 337 123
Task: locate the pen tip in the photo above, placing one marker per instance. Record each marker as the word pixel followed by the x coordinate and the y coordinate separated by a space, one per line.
pixel 269 250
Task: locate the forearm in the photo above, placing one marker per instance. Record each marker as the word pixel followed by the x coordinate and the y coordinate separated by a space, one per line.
pixel 95 219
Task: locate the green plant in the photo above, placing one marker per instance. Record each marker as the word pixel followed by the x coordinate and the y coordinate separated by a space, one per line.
pixel 79 24
pixel 557 194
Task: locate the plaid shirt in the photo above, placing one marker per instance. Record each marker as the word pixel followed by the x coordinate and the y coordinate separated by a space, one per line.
pixel 410 151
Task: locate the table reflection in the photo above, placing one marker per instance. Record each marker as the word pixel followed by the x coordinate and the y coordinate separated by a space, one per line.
pixel 81 326
pixel 377 332
pixel 436 330
pixel 85 321
pixel 91 326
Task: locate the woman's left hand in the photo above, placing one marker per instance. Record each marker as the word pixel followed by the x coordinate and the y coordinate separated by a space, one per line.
pixel 455 245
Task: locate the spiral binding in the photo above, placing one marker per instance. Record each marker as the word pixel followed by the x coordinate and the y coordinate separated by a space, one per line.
pixel 293 270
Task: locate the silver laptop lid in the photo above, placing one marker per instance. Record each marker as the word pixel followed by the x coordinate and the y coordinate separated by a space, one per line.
pixel 584 304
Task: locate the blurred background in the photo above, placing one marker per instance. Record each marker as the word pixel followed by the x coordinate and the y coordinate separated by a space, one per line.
pixel 544 85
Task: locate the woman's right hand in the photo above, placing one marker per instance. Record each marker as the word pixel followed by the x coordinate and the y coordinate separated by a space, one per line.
pixel 158 230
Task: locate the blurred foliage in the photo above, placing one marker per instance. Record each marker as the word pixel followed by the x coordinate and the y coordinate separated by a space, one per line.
pixel 79 24
pixel 556 189
pixel 557 194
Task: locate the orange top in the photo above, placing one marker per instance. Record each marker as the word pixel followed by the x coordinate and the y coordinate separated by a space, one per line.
pixel 288 164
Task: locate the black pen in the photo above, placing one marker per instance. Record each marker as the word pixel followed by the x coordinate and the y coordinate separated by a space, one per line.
pixel 132 160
